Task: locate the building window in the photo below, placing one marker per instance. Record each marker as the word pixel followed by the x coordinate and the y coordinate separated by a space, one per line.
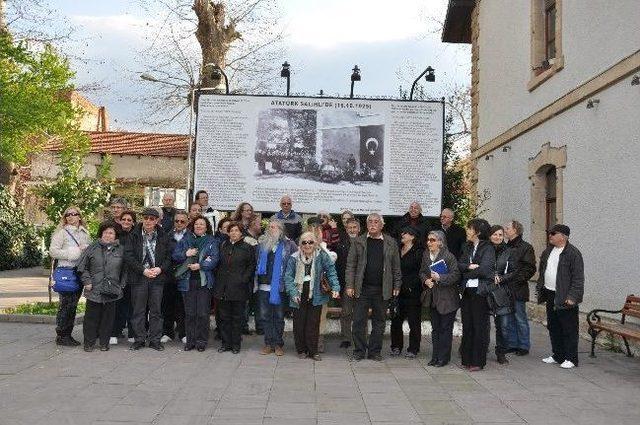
pixel 550 198
pixel 546 40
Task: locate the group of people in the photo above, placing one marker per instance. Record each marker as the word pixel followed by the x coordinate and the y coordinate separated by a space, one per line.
pixel 162 278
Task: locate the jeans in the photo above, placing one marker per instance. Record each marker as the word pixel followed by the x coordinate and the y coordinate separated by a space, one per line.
pixel 505 334
pixel 519 326
pixel 272 320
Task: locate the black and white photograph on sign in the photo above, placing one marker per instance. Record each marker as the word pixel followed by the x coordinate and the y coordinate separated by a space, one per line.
pixel 338 147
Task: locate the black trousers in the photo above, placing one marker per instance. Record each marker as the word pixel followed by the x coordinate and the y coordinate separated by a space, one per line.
pixel 441 334
pixel 563 330
pixel 232 315
pixel 172 311
pixel 123 314
pixel 66 316
pixel 306 327
pixel 475 328
pixel 197 308
pixel 145 295
pixel 98 322
pixel 361 307
pixel 410 311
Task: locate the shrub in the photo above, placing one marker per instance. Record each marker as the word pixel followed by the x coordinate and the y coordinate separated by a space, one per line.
pixel 19 241
pixel 49 309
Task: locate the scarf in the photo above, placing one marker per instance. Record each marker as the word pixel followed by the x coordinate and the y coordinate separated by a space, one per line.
pixel 301 261
pixel 261 269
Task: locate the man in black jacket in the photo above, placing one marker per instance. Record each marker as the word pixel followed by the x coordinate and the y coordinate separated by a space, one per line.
pixel 561 286
pixel 523 261
pixel 456 235
pixel 413 218
pixel 148 258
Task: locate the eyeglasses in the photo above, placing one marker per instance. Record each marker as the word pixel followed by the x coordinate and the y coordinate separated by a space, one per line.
pixel 285 203
pixel 126 219
pixel 307 242
pixel 149 218
pixel 180 221
pixel 72 214
pixel 432 240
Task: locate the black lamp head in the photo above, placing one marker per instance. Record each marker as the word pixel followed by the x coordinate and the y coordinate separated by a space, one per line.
pixel 431 75
pixel 285 72
pixel 355 76
pixel 216 73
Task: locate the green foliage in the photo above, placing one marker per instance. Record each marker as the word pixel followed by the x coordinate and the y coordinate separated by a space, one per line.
pixel 49 309
pixel 19 241
pixel 72 186
pixel 32 103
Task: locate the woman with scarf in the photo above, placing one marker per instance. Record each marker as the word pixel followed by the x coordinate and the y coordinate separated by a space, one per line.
pixel 101 273
pixel 306 269
pixel 67 244
pixel 234 284
pixel 123 305
pixel 197 254
pixel 273 251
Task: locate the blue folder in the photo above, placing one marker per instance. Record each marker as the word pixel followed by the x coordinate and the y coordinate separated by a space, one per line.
pixel 439 267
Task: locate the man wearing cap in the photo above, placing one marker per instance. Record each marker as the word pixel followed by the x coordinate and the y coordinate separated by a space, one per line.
pixel 561 286
pixel 148 258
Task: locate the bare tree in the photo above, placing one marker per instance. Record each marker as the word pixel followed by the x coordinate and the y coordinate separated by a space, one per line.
pixel 192 36
pixel 34 21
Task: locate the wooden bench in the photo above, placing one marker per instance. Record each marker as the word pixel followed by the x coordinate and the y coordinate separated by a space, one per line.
pixel 626 331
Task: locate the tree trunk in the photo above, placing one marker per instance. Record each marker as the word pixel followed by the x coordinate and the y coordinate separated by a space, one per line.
pixel 215 37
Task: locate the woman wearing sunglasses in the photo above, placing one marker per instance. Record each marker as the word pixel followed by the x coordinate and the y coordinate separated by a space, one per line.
pixel 67 244
pixel 303 278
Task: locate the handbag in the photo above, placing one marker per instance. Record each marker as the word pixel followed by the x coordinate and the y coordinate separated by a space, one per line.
pixel 325 288
pixel 65 279
pixel 110 290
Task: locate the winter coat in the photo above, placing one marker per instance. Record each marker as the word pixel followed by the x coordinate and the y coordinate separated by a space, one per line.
pixel 444 295
pixel 456 238
pixel 420 224
pixel 289 248
pixel 500 297
pixel 234 275
pixel 134 255
pixel 208 258
pixel 410 263
pixel 522 267
pixel 569 278
pixel 64 249
pixel 325 265
pixel 357 262
pixel 485 258
pixel 342 250
pixel 102 262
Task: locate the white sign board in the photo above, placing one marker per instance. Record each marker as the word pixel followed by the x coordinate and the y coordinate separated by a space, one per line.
pixel 327 154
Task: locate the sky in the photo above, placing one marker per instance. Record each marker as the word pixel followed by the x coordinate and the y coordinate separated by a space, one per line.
pixel 323 41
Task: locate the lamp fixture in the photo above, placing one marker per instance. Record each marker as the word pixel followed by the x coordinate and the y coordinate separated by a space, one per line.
pixel 355 76
pixel 488 157
pixel 592 103
pixel 506 148
pixel 635 81
pixel 286 73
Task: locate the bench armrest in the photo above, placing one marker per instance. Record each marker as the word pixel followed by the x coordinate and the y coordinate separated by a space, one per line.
pixel 594 317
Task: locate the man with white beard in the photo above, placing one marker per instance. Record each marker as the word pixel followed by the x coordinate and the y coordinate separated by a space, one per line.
pixel 273 251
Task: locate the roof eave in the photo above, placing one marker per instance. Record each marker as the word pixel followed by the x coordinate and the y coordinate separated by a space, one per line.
pixel 457 24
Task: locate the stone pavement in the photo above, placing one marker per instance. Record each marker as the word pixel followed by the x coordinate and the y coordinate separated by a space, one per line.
pixel 43 384
pixel 22 286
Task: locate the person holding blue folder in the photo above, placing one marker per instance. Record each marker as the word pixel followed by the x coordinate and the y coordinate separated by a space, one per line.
pixel 440 276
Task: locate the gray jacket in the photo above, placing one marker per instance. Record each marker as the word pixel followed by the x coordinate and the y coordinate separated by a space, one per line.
pixel 357 261
pixel 445 293
pixel 101 262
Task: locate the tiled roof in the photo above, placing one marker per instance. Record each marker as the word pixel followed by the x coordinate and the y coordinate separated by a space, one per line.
pixel 126 143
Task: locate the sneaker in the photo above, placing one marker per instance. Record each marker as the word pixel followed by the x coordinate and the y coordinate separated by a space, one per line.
pixel 567 364
pixel 279 351
pixel 410 355
pixel 156 346
pixel 394 352
pixel 113 340
pixel 266 350
pixel 104 347
pixel 549 360
pixel 317 357
pixel 184 339
pixel 165 339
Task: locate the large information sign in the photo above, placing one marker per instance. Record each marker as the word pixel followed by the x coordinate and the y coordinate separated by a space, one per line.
pixel 327 154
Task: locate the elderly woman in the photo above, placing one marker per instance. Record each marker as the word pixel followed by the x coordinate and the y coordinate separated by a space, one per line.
pixel 197 253
pixel 67 244
pixel 409 307
pixel 123 305
pixel 303 277
pixel 234 285
pixel 441 295
pixel 477 264
pixel 101 273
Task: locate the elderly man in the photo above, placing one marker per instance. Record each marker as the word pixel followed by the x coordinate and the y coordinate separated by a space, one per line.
pixel 456 235
pixel 168 211
pixel 523 259
pixel 413 218
pixel 561 286
pixel 291 220
pixel 373 275
pixel 352 227
pixel 202 198
pixel 172 303
pixel 148 257
pixel 273 252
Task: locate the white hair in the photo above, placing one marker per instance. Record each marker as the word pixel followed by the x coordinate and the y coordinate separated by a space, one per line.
pixel 375 215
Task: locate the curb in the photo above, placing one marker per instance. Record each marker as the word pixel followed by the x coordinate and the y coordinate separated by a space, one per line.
pixel 35 318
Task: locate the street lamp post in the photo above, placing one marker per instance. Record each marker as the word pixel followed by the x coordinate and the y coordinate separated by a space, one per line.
pixel 286 73
pixel 355 76
pixel 430 78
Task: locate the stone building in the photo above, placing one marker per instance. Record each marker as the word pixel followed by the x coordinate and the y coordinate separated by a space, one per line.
pixel 556 125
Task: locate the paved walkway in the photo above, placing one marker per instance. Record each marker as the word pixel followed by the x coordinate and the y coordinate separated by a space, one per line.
pixel 22 286
pixel 42 384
